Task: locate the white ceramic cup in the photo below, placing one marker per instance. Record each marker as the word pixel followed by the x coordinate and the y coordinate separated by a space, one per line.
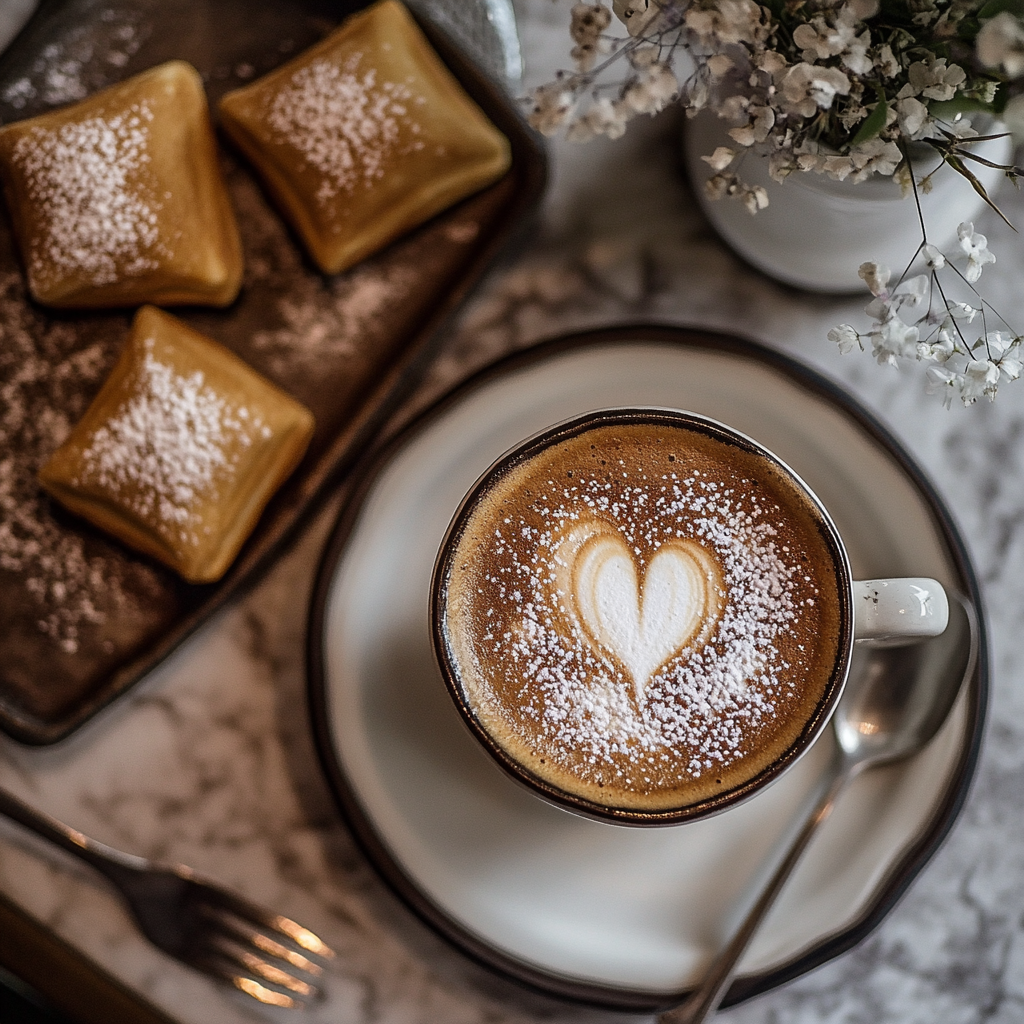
pixel 886 611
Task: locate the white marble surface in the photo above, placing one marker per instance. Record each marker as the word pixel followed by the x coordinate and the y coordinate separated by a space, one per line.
pixel 209 761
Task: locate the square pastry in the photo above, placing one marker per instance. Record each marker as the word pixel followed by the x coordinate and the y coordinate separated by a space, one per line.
pixel 364 136
pixel 181 449
pixel 119 200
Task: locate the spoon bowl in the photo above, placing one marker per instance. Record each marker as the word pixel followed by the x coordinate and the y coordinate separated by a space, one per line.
pixel 897 698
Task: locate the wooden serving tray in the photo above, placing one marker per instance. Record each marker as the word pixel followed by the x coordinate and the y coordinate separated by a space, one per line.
pixel 82 617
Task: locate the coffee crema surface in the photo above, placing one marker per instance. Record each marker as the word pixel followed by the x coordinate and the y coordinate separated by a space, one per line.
pixel 641 615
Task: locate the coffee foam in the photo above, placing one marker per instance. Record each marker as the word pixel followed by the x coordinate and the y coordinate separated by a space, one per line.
pixel 643 616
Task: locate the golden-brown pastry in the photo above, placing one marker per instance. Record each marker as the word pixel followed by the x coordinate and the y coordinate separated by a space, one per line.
pixel 364 136
pixel 118 200
pixel 181 449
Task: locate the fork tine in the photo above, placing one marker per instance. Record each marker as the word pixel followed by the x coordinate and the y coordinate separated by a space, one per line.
pixel 268 972
pixel 216 967
pixel 252 914
pixel 267 945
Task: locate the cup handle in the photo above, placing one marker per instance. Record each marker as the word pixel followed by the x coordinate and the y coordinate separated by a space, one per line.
pixel 903 610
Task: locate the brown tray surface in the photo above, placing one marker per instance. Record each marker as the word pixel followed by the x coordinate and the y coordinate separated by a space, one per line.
pixel 81 617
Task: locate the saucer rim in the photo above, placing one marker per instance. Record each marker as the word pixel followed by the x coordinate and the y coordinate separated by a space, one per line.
pixel 359 821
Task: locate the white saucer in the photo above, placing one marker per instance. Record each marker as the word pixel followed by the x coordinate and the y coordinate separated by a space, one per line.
pixel 606 914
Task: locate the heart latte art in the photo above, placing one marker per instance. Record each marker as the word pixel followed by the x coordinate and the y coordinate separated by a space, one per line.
pixel 639 619
pixel 640 615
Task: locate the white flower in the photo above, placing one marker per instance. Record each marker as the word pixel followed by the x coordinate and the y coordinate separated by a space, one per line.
pixel 754 198
pixel 588 22
pixel 809 87
pixel 934 80
pixel 913 291
pixel 820 40
pixel 757 130
pixel 720 185
pixel 771 62
pixel 728 22
pixel 940 350
pixel 838 167
pixel 552 104
pixel 604 117
pixel 654 87
pixel 915 121
pixel 893 338
pixel 720 65
pixel 636 15
pixel 939 379
pixel 961 311
pixel 876 277
pixel 1008 356
pixel 1004 352
pixel 933 257
pixel 886 63
pixel 980 377
pixel 845 337
pixel 975 247
pixel 855 56
pixel 720 159
pixel 1000 43
pixel 876 156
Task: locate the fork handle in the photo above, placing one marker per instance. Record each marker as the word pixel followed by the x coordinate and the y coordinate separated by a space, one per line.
pixel 112 863
pixel 705 999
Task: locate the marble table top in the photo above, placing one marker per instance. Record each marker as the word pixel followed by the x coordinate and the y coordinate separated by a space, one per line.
pixel 209 761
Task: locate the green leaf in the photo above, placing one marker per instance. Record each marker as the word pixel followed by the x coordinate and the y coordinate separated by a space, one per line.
pixel 873 123
pixel 994 7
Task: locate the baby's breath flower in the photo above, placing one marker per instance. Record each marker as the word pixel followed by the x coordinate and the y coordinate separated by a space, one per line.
pixel 807 88
pixel 934 80
pixel 653 88
pixel 1000 44
pixel 720 159
pixel 604 117
pixel 915 121
pixel 975 248
pixel 834 87
pixel 876 277
pixel 892 339
pixel 845 337
pixel 941 381
pixel 980 379
pixel 636 15
pixel 552 104
pixel 754 198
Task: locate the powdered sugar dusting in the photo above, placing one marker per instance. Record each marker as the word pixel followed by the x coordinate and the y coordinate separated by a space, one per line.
pixel 345 122
pixel 166 450
pixel 83 60
pixel 545 672
pixel 84 181
pixel 42 371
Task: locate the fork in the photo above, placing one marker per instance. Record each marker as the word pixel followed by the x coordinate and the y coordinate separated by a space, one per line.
pixel 211 929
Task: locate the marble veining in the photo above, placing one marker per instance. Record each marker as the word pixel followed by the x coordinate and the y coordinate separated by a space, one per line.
pixel 209 761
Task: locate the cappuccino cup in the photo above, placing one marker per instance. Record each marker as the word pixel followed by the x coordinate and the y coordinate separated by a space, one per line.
pixel 645 616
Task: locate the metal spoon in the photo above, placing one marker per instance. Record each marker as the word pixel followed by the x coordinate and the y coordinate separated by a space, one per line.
pixel 895 701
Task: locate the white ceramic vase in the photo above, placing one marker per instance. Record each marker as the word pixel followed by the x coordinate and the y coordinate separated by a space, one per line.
pixel 816 232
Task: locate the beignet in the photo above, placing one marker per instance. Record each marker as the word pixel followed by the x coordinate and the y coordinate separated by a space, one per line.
pixel 364 136
pixel 119 200
pixel 181 449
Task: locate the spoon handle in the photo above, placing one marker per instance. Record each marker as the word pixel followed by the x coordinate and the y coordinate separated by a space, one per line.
pixel 704 1000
